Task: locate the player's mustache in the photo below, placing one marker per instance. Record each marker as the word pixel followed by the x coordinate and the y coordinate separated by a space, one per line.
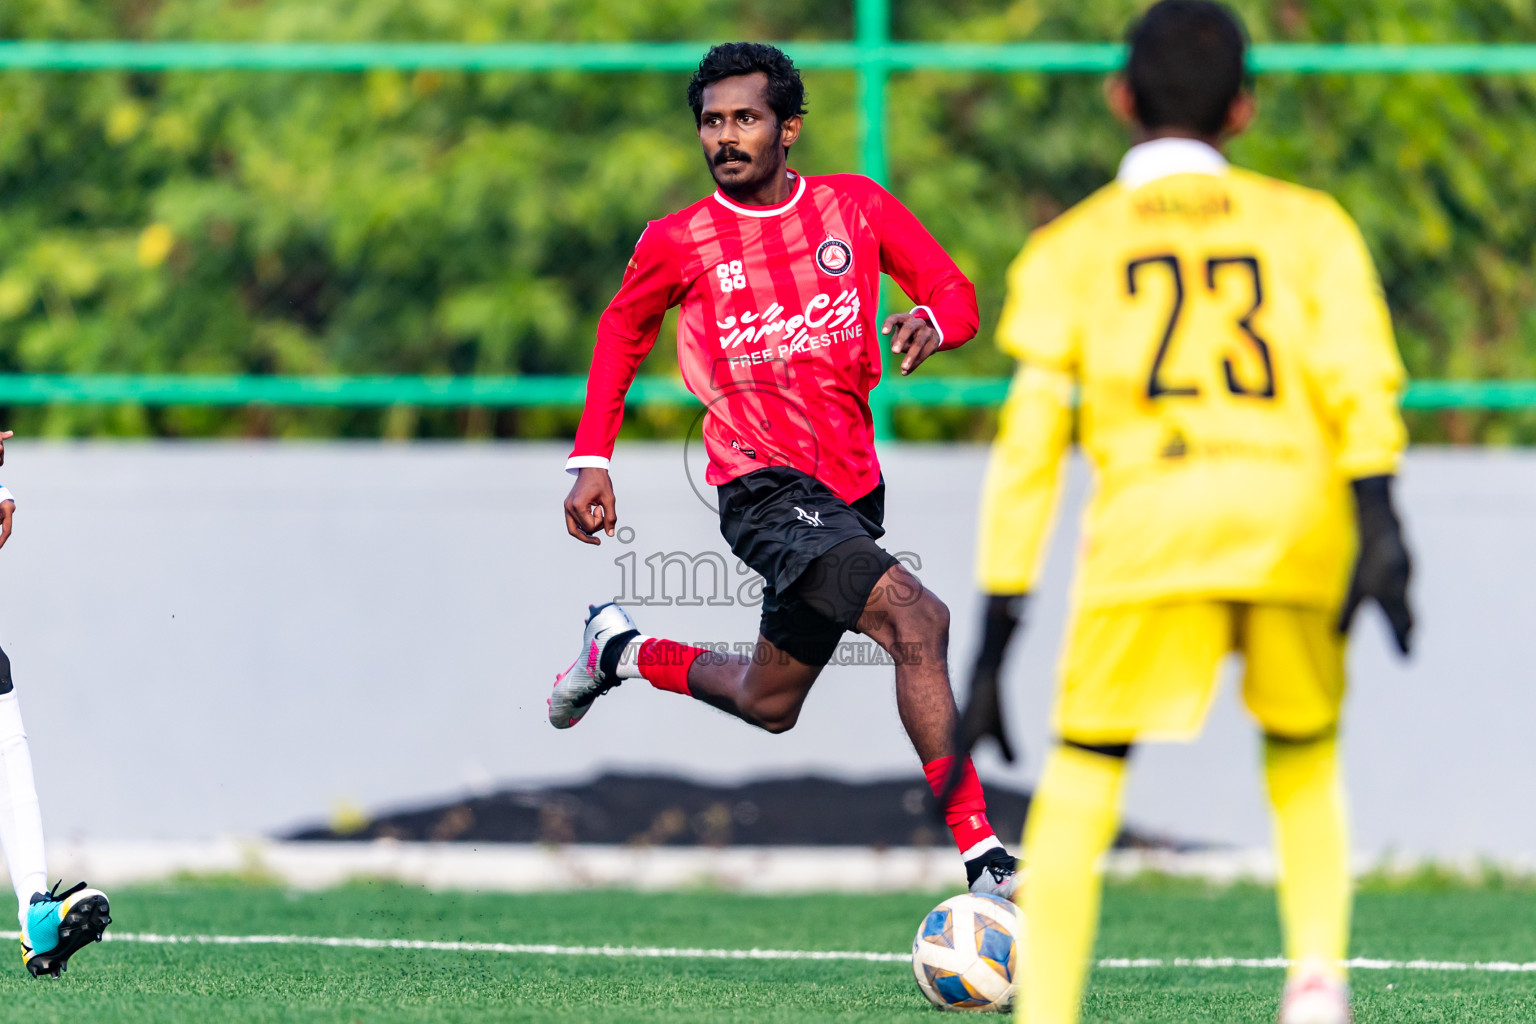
pixel 731 154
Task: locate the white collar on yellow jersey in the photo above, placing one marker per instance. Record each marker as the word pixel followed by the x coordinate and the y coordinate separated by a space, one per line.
pixel 1145 163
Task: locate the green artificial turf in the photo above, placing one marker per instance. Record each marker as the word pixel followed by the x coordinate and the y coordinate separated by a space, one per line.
pixel 133 982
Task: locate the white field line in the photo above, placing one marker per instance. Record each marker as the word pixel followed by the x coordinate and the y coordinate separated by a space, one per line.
pixel 1356 964
pixel 673 953
pixel 542 949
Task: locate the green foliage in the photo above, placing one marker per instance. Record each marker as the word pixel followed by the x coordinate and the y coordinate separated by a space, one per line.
pixel 388 222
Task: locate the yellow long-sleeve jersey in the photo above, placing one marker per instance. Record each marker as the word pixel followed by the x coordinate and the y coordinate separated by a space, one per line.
pixel 1233 356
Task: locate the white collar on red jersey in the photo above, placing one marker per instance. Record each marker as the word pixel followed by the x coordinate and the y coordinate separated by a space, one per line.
pixel 1145 163
pixel 765 211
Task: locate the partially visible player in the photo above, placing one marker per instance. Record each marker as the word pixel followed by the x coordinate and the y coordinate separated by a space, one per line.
pixel 1238 381
pixel 54 925
pixel 778 277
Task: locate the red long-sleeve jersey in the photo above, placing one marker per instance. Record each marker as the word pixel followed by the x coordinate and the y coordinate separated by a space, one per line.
pixel 777 332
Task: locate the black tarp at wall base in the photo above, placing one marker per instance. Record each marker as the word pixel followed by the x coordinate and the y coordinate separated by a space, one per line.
pixel 658 810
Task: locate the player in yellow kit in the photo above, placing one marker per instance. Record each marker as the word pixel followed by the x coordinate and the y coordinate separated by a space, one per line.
pixel 1228 340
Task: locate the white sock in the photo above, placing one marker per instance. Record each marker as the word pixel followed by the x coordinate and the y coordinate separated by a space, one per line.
pixel 21 818
pixel 982 847
pixel 629 658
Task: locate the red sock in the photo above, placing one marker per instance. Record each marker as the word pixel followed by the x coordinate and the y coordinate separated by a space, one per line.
pixel 966 813
pixel 665 664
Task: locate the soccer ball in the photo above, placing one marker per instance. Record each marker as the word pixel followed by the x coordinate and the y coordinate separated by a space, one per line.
pixel 966 953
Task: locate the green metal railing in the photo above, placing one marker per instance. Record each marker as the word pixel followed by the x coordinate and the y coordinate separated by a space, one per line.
pixel 529 392
pixel 871 55
pixel 872 46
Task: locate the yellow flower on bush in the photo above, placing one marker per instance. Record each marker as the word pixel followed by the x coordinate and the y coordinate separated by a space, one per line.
pixel 155 244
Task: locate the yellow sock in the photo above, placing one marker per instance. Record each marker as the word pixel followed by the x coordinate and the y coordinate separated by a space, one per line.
pixel 1306 790
pixel 1072 821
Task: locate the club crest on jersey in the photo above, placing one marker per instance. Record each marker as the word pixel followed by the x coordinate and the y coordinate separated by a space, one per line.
pixel 732 275
pixel 834 256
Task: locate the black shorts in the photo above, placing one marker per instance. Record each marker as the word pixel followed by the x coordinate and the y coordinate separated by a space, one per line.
pixel 816 553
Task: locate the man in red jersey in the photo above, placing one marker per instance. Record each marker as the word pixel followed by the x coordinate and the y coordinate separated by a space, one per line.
pixel 778 277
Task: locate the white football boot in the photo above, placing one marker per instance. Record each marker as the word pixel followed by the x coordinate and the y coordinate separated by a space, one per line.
pixel 1315 995
pixel 578 686
pixel 995 873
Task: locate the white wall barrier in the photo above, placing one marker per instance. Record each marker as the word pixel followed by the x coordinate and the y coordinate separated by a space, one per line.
pixel 231 639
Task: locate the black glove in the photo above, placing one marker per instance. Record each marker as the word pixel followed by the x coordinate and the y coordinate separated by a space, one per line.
pixel 983 712
pixel 1383 566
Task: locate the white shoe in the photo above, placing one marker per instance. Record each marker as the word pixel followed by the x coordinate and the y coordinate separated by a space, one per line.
pixel 578 686
pixel 1315 996
pixel 994 873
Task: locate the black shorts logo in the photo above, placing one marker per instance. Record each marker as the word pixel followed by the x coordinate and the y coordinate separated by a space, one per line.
pixel 834 256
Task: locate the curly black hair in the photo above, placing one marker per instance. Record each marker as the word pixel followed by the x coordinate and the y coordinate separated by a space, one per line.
pixel 786 93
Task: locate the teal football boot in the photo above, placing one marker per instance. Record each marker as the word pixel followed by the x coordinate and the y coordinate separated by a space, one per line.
pixel 59 924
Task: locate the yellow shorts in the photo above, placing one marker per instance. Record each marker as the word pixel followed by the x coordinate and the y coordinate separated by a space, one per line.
pixel 1150 671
